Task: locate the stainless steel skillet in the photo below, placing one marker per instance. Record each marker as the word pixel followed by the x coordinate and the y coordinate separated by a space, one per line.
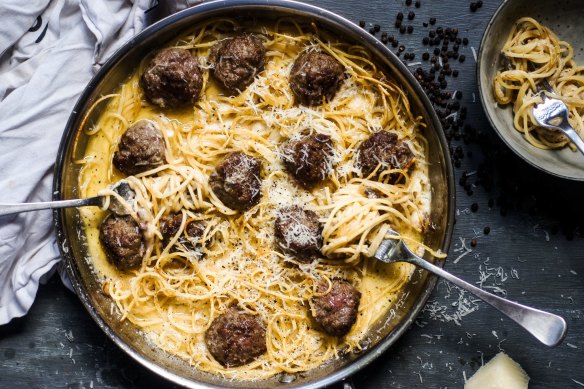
pixel 71 236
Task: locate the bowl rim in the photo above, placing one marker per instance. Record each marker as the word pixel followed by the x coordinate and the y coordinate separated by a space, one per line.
pixel 480 59
pixel 356 33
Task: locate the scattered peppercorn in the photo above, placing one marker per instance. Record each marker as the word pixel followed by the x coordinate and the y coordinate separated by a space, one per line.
pixel 410 29
pixel 432 21
pixel 399 16
pixel 425 56
pixel 461 58
pixel 418 4
pixel 361 23
pixel 474 207
pixel 487 230
pixel 473 7
pixel 411 15
pixel 473 243
pixel 377 28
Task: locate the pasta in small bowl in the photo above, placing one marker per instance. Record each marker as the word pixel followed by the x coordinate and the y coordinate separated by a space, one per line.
pixel 524 46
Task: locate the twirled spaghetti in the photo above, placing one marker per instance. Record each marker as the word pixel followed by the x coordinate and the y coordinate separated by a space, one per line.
pixel 533 53
pixel 175 295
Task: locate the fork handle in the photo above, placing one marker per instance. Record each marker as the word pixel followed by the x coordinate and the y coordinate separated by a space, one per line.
pixel 548 328
pixel 567 129
pixel 9 209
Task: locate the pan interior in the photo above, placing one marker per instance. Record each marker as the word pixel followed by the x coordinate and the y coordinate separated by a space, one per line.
pixel 69 227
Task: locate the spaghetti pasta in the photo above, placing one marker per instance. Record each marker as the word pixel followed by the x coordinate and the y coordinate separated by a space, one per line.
pixel 533 53
pixel 176 294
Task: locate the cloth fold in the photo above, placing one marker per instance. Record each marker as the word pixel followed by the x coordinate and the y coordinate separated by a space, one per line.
pixel 49 50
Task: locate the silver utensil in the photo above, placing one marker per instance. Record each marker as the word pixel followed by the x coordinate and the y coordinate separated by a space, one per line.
pixel 548 328
pixel 121 187
pixel 552 113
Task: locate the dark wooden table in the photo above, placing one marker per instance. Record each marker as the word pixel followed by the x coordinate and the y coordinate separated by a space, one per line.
pixel 534 254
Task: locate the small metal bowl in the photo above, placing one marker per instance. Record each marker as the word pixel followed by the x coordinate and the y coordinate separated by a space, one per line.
pixel 563 17
pixel 72 238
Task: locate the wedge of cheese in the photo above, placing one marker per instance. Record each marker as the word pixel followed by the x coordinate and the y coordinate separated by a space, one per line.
pixel 501 372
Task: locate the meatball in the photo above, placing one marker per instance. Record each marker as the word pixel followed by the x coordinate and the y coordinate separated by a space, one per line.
pixel 298 233
pixel 236 181
pixel 309 159
pixel 236 338
pixel 172 79
pixel 190 238
pixel 315 75
pixel 383 148
pixel 236 61
pixel 141 148
pixel 123 241
pixel 336 311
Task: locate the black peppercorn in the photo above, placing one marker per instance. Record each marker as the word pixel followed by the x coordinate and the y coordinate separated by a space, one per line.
pixel 361 23
pixel 402 29
pixel 418 4
pixel 425 41
pixel 398 23
pixel 473 7
pixel 487 230
pixel 432 21
pixel 425 56
pixel 465 41
pixel 377 28
pixel 410 29
pixel 461 58
pixel 474 207
pixel 411 15
pixel 399 16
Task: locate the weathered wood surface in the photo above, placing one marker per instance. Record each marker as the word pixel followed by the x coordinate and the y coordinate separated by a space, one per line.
pixel 536 247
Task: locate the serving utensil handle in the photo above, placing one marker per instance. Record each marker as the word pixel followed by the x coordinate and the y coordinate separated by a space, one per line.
pixel 546 327
pixel 9 209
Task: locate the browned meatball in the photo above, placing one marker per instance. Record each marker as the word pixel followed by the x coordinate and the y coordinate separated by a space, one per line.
pixel 172 79
pixel 190 238
pixel 141 148
pixel 236 338
pixel 123 241
pixel 298 233
pixel 383 148
pixel 309 159
pixel 336 311
pixel 236 181
pixel 236 61
pixel 316 75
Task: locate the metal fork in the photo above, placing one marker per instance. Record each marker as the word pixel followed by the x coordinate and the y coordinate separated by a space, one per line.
pixel 546 327
pixel 552 113
pixel 121 187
